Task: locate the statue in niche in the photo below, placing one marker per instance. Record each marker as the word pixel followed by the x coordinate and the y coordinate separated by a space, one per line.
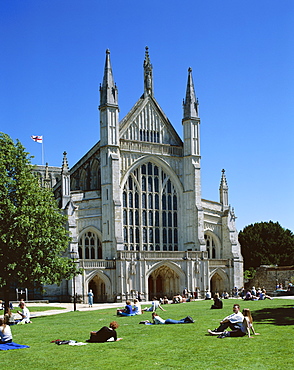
pixel 197 266
pixel 133 267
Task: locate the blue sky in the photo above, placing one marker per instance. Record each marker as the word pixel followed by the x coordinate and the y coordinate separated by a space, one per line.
pixel 242 57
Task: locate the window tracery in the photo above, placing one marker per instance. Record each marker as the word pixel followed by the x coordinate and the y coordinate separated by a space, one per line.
pixel 210 246
pixel 90 246
pixel 153 222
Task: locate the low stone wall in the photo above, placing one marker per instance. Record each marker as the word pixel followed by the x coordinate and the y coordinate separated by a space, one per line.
pixel 270 276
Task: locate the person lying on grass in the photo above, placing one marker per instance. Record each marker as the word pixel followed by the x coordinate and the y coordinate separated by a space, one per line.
pixel 105 334
pixel 158 320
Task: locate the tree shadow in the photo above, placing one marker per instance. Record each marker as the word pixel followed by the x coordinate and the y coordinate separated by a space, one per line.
pixel 277 316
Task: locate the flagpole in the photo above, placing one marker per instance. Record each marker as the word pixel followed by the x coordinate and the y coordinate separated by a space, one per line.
pixel 43 151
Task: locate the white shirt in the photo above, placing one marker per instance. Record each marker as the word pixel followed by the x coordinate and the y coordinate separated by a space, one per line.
pixel 158 320
pixel 137 308
pixel 155 305
pixel 6 335
pixel 26 313
pixel 235 318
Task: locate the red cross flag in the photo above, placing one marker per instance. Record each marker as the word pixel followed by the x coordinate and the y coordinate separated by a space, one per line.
pixel 38 139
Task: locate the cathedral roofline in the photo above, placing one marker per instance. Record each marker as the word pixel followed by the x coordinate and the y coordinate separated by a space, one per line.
pixel 142 100
pixel 85 157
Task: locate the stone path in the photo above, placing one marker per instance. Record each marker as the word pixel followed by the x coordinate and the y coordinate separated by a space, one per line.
pixel 68 307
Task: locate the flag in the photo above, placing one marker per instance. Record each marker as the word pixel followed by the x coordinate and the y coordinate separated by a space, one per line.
pixel 38 139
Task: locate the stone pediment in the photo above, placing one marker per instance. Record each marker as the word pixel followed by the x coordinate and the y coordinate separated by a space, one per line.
pixel 146 122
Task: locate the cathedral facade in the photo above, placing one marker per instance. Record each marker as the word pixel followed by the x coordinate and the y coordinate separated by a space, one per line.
pixel 135 213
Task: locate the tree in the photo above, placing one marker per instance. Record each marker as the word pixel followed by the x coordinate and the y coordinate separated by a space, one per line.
pixel 266 243
pixel 33 237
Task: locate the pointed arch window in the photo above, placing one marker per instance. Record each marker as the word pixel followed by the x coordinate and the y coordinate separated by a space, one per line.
pixel 210 246
pixel 150 203
pixel 90 246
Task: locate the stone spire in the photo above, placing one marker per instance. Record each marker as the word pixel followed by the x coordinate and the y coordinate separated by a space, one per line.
pixel 47 177
pixel 65 182
pixel 108 90
pixel 148 75
pixel 190 104
pixel 223 191
pixel 64 168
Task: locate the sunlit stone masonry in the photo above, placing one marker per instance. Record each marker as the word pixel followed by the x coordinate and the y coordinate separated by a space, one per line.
pixel 135 212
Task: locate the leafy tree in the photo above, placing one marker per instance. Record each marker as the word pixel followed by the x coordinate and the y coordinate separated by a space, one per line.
pixel 33 236
pixel 266 243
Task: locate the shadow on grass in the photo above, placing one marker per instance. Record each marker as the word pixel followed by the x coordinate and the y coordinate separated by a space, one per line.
pixel 278 316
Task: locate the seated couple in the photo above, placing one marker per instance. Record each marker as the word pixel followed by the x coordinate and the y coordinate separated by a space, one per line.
pixel 239 323
pixel 105 334
pixel 129 310
pixel 158 320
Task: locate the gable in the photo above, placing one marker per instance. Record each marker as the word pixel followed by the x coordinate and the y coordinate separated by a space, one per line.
pixel 147 122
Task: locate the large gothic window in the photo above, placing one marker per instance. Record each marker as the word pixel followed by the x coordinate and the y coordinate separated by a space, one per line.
pixel 210 246
pixel 90 246
pixel 150 206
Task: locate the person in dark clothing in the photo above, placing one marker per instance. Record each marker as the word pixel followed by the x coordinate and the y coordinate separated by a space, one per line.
pixel 218 304
pixel 105 334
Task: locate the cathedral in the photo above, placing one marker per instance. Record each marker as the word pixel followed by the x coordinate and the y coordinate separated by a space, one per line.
pixel 138 223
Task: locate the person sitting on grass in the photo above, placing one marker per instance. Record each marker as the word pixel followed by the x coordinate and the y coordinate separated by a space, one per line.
pixel 225 295
pixel 127 311
pixel 233 321
pixel 137 307
pixel 249 296
pixel 24 313
pixel 248 322
pixel 9 317
pixel 263 295
pixel 5 332
pixel 246 327
pixel 218 304
pixel 158 320
pixel 155 305
pixel 177 298
pixel 165 300
pixel 105 334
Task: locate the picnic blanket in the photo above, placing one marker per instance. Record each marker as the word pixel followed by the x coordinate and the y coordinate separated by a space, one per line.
pixel 12 345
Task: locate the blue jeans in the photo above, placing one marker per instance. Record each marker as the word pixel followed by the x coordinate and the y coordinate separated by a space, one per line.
pixel 171 321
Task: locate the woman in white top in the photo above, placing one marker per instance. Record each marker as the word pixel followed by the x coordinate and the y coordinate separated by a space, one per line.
pixel 248 323
pixel 137 307
pixel 5 332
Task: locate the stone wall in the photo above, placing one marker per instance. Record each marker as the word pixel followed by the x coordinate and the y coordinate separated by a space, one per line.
pixel 269 276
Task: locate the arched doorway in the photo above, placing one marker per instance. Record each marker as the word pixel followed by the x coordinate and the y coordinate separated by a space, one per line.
pixel 216 284
pixel 98 287
pixel 163 281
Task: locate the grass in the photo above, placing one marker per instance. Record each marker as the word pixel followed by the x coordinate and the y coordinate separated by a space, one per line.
pixel 185 346
pixel 38 308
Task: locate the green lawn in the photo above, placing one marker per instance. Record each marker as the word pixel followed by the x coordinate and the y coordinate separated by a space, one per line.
pixel 185 346
pixel 38 308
